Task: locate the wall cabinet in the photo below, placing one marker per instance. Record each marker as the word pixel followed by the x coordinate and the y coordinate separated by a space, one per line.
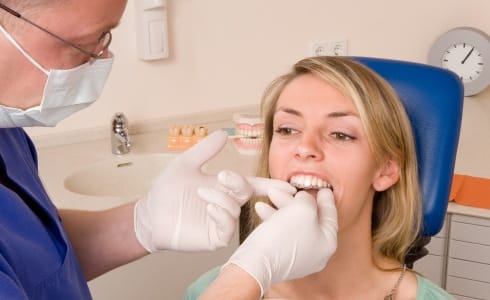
pixel 459 257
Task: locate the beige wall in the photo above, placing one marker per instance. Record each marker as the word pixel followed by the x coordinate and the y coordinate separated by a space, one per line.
pixel 223 53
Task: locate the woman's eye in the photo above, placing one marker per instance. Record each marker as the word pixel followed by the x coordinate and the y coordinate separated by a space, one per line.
pixel 285 131
pixel 342 136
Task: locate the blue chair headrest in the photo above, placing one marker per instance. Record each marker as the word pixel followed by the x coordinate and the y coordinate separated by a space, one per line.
pixel 433 99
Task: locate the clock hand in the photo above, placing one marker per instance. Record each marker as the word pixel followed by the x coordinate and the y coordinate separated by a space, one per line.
pixel 468 55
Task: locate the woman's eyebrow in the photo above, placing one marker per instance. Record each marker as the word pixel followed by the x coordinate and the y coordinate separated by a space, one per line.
pixel 339 114
pixel 289 111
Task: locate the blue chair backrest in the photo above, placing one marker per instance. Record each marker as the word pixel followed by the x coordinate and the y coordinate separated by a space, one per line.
pixel 433 98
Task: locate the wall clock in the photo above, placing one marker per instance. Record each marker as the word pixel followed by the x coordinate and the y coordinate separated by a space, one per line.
pixel 466 52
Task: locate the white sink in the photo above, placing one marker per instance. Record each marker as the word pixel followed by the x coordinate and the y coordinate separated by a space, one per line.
pixel 125 177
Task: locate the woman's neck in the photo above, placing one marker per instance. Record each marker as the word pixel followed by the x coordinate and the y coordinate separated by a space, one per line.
pixel 351 273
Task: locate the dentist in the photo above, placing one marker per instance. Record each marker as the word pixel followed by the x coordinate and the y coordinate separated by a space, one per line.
pixel 54 61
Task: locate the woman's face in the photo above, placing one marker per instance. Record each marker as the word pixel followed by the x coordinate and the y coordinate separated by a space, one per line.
pixel 318 140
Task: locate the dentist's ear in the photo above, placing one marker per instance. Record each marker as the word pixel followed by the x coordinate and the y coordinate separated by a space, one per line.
pixel 387 176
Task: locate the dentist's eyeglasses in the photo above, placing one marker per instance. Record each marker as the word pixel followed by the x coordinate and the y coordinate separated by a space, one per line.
pixel 102 44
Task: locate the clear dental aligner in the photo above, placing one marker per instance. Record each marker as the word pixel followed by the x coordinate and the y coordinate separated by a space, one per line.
pixel 182 137
pixel 307 182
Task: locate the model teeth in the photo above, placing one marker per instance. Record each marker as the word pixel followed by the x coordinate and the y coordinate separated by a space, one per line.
pixel 187 130
pixel 200 131
pixel 249 133
pixel 309 182
pixel 174 131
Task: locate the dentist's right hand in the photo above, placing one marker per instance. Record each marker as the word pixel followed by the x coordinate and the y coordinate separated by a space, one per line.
pixel 189 210
pixel 296 240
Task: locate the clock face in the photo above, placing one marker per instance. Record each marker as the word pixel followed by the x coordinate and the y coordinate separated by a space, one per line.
pixel 464 60
pixel 466 52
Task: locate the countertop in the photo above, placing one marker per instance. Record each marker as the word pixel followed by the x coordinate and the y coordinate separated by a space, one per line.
pixel 57 160
pixel 455 208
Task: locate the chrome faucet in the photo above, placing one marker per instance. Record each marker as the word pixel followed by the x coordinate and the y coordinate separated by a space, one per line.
pixel 120 140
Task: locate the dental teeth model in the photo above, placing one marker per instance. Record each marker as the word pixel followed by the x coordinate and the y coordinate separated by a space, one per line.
pixel 308 182
pixel 182 137
pixel 249 129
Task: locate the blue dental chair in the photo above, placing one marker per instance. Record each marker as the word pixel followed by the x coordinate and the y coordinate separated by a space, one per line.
pixel 433 98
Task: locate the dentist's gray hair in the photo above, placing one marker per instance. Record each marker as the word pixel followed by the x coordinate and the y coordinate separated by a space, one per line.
pixel 25 7
pixel 15 4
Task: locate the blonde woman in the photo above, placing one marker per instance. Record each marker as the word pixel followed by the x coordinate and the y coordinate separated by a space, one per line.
pixel 333 123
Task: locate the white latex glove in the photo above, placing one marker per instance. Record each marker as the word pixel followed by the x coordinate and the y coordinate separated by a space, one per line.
pixel 174 216
pixel 296 240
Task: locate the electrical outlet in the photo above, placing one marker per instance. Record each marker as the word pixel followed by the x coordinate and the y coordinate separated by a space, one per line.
pixel 332 48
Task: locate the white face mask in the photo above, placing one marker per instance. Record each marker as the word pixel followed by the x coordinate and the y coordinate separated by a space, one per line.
pixel 65 92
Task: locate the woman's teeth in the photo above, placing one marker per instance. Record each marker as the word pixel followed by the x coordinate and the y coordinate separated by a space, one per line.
pixel 309 182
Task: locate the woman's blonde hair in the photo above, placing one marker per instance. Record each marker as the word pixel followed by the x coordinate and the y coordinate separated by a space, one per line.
pixel 396 215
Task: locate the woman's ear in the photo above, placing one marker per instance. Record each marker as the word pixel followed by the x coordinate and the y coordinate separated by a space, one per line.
pixel 387 175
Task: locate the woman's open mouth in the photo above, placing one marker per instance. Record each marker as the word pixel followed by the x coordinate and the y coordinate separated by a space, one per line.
pixel 309 182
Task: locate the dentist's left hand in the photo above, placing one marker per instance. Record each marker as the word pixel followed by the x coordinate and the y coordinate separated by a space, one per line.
pixel 188 210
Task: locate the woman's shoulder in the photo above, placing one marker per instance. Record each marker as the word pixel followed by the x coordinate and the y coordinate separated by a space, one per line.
pixel 201 284
pixel 427 290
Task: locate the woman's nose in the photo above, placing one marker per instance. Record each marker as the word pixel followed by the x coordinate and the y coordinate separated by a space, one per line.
pixel 309 148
